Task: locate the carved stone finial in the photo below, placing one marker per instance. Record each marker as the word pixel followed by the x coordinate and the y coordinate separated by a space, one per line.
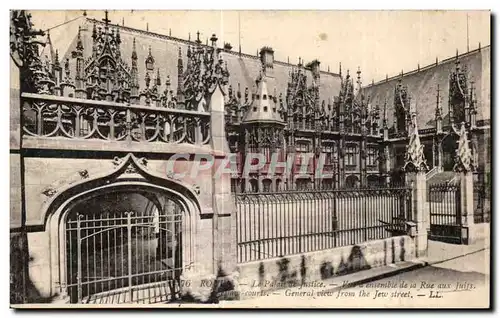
pixel 415 159
pixel 464 160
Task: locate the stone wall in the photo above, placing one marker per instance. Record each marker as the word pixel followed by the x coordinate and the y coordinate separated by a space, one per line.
pixel 478 232
pixel 315 266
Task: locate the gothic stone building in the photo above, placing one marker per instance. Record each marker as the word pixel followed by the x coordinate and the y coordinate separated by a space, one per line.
pixel 278 107
pixel 92 130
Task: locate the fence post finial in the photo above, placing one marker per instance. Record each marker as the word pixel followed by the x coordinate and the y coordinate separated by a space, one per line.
pixel 464 160
pixel 415 158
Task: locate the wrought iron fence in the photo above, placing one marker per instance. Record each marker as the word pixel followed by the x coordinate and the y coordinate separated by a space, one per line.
pixel 284 223
pixel 54 116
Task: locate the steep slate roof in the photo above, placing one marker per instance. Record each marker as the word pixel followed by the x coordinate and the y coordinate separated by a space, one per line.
pixel 422 87
pixel 243 68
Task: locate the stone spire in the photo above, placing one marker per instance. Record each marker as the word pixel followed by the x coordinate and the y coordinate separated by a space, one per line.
pixel 358 80
pixel 439 112
pixel 473 106
pixel 134 75
pixel 158 77
pixel 94 41
pixel 79 44
pixel 180 77
pixel 48 50
pixel 79 74
pixel 384 123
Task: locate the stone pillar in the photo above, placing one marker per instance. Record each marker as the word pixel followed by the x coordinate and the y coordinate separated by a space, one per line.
pixel 416 167
pixel 418 182
pixel 216 265
pixel 225 258
pixel 19 256
pixel 464 165
pixel 467 198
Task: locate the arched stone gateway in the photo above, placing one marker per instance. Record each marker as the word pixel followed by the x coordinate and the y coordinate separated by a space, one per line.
pixel 126 236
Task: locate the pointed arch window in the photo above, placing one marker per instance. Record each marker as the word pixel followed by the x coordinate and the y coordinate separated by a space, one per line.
pixel 254 185
pixel 266 185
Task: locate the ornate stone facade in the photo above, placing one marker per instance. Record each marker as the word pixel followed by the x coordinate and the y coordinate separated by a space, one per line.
pixel 309 112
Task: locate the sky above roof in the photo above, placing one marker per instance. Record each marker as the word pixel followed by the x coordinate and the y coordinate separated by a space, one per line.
pixel 379 42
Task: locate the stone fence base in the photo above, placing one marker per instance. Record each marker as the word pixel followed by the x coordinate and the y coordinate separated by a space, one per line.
pixel 478 232
pixel 310 268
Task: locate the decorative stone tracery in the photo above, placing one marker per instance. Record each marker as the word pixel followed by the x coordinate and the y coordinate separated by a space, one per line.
pixel 464 160
pixel 415 158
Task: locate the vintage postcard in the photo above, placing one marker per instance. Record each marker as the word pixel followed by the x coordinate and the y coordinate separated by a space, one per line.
pixel 321 159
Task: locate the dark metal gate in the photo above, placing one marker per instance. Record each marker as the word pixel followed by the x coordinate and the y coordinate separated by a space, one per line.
pixel 445 214
pixel 124 257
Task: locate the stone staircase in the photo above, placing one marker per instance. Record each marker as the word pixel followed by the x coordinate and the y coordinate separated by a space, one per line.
pixel 441 178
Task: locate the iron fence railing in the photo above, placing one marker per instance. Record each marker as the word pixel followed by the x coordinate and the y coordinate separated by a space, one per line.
pixel 278 224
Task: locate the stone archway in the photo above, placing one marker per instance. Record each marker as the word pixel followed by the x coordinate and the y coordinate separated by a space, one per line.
pixel 125 245
pixel 90 225
pixel 352 181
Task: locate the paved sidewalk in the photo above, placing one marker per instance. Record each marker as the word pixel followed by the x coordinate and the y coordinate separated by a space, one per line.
pixel 438 252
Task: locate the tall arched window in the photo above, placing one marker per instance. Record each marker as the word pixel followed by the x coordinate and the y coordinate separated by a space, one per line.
pixel 352 181
pixel 266 185
pixel 254 185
